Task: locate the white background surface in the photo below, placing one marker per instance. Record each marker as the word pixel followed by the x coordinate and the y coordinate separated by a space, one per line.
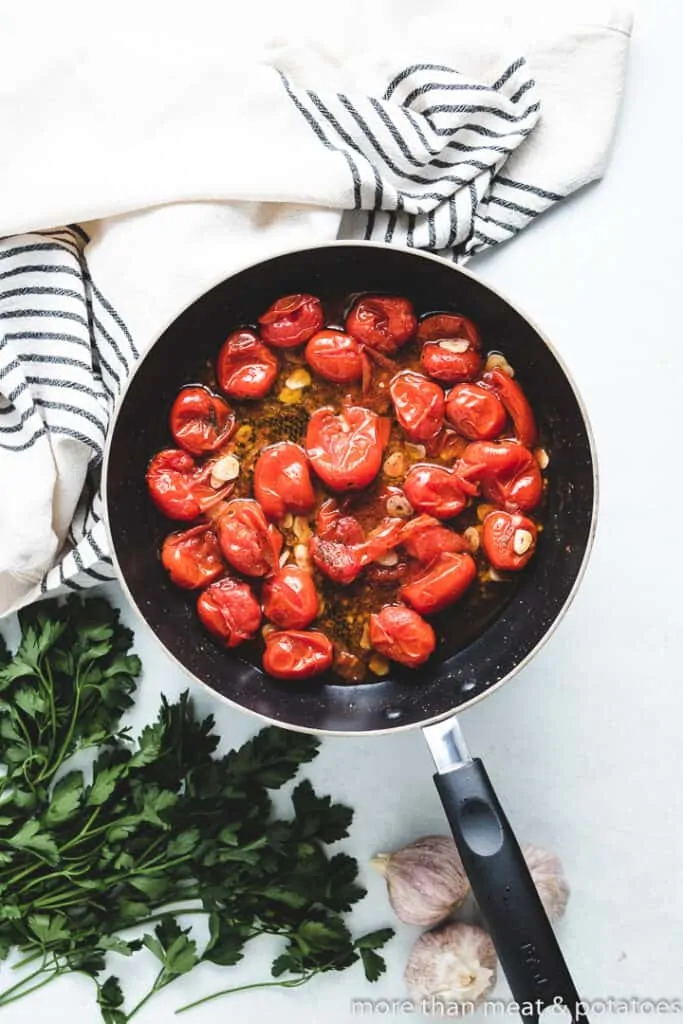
pixel 583 746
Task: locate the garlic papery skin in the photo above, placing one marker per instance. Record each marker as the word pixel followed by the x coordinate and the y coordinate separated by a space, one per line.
pixel 454 965
pixel 425 880
pixel 548 875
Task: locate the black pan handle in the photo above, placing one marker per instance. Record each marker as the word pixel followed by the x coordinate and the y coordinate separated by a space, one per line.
pixel 502 885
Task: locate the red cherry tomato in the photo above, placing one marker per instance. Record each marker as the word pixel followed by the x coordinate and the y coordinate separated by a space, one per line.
pixel 291 320
pixel 475 412
pixel 509 540
pixel 335 356
pixel 246 368
pixel 200 421
pixel 401 634
pixel 419 405
pixel 436 490
pixel 229 610
pixel 193 558
pixel 517 404
pixel 248 543
pixel 382 539
pixel 442 326
pixel 509 474
pixel 290 599
pixel 382 322
pixel 424 538
pixel 444 582
pixel 346 450
pixel 451 352
pixel 282 481
pixel 179 488
pixel 297 654
pixel 339 562
pixel 332 525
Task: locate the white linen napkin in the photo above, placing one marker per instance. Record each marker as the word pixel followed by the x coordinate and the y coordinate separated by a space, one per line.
pixel 175 161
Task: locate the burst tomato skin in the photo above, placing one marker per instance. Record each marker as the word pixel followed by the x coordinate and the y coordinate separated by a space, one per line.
pixel 200 421
pixel 498 540
pixel 179 488
pixel 248 543
pixel 402 635
pixel 510 475
pixel 193 558
pixel 436 490
pixel 291 320
pixel 229 611
pixel 444 582
pixel 345 450
pixel 336 356
pixel 419 405
pixel 297 654
pixel 445 326
pixel 476 412
pixel 382 322
pixel 246 368
pixel 424 538
pixel 290 599
pixel 517 405
pixel 282 481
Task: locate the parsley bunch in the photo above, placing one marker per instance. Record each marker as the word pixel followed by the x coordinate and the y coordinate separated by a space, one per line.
pixel 156 828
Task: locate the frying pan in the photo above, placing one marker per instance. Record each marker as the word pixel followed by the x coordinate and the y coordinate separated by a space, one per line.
pixel 524 939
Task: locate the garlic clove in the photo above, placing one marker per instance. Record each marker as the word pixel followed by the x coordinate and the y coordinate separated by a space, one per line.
pixel 542 458
pixel 302 528
pixel 425 880
pixel 548 875
pixel 522 541
pixel 287 521
pixel 300 378
pixel 391 558
pixel 471 535
pixel 290 396
pixel 398 505
pixel 457 345
pixel 394 464
pixel 451 969
pixel 302 556
pixel 223 470
pixel 497 361
pixel 378 665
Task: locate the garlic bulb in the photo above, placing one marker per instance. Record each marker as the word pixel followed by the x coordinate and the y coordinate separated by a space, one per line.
pixel 452 966
pixel 546 871
pixel 425 880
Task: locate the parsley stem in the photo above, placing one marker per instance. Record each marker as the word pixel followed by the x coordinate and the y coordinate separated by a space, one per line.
pixel 52 973
pixel 293 983
pixel 145 999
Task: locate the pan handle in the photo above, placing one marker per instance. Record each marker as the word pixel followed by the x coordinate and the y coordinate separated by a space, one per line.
pixel 502 885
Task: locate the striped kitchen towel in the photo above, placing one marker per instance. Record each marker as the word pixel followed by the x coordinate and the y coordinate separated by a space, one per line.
pixel 450 146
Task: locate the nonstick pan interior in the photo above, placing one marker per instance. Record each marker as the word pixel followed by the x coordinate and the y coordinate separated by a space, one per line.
pixel 407 698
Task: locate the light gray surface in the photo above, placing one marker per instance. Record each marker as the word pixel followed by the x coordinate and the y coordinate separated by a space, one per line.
pixel 584 746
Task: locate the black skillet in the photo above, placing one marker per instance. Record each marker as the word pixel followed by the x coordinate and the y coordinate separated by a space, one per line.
pixel 524 939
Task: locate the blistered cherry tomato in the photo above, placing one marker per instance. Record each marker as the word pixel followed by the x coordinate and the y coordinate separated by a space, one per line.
pixel 193 558
pixel 335 356
pixel 297 654
pixel 346 449
pixel 180 488
pixel 444 582
pixel 400 634
pixel 246 368
pixel 437 490
pixel 509 474
pixel 382 322
pixel 248 543
pixel 419 405
pixel 332 525
pixel 475 412
pixel 200 421
pixel 229 610
pixel 291 320
pixel 509 540
pixel 282 481
pixel 424 538
pixel 517 404
pixel 290 599
pixel 339 562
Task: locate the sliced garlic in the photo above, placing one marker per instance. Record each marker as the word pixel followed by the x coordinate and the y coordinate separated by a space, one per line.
pixel 394 464
pixel 284 557
pixel 542 457
pixel 391 558
pixel 471 535
pixel 378 665
pixel 300 378
pixel 457 345
pixel 497 361
pixel 417 450
pixel 522 541
pixel 302 528
pixel 301 556
pixel 364 641
pixel 267 629
pixel 495 577
pixel 224 470
pixel 289 396
pixel 398 505
pixel 287 520
pixel 483 510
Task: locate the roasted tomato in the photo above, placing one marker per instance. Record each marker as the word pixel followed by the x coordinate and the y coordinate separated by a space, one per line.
pixel 444 582
pixel 282 481
pixel 335 356
pixel 517 404
pixel 179 487
pixel 346 449
pixel 229 610
pixel 248 543
pixel 435 489
pixel 332 525
pixel 475 412
pixel 200 421
pixel 401 634
pixel 193 558
pixel 339 562
pixel 291 320
pixel 451 344
pixel 419 405
pixel 290 599
pixel 509 540
pixel 382 322
pixel 297 654
pixel 509 474
pixel 424 538
pixel 246 368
